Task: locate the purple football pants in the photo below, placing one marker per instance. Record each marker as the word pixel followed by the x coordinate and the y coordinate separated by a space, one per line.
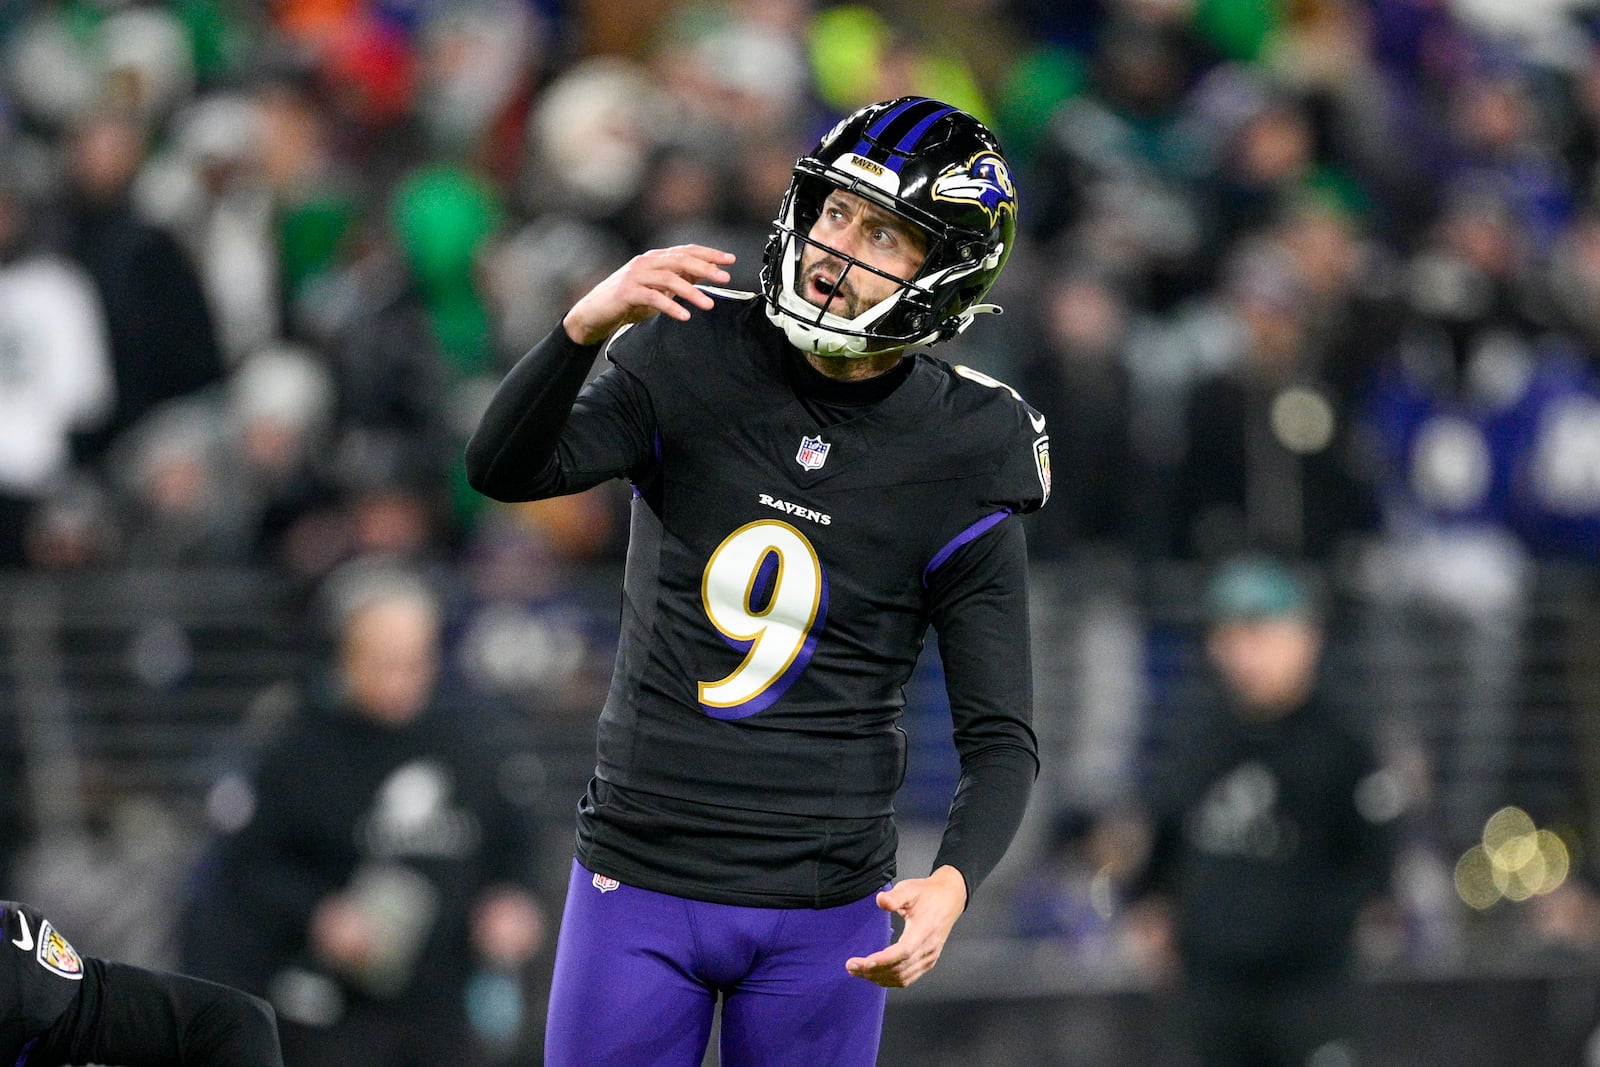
pixel 638 974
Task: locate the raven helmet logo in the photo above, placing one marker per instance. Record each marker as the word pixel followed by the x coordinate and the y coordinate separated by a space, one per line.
pixel 984 180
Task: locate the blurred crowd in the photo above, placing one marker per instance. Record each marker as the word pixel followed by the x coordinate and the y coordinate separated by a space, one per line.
pixel 1315 278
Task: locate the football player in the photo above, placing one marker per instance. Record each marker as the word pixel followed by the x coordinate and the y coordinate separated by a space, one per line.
pixel 809 497
pixel 58 1008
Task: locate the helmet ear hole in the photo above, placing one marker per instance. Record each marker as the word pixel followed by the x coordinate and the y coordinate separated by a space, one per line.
pixel 935 166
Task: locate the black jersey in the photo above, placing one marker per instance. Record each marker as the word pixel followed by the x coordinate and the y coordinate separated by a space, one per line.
pixel 788 551
pixel 59 1008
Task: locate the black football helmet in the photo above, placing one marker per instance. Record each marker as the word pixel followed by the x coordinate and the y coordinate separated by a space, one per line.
pixel 930 163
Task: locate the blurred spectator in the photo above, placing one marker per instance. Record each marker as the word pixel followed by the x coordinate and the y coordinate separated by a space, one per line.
pixel 210 188
pixel 163 344
pixel 738 70
pixel 68 58
pixel 1365 115
pixel 1266 155
pixel 1269 460
pixel 527 630
pixel 1076 374
pixel 1350 285
pixel 76 528
pixel 318 194
pixel 1572 276
pixel 383 505
pixel 1502 151
pixel 590 137
pixel 442 217
pixel 1126 154
pixel 1269 833
pixel 479 61
pixel 392 429
pixel 1448 415
pixel 175 505
pixel 276 426
pixel 55 368
pixel 379 854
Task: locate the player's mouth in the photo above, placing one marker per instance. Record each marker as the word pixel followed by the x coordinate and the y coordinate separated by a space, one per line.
pixel 825 289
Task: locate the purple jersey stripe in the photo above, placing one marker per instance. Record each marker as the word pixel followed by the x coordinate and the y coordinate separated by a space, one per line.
pixel 967 536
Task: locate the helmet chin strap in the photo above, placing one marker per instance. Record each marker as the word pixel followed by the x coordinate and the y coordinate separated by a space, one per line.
pixel 980 309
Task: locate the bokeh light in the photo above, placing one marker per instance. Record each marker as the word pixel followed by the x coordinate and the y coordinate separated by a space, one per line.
pixel 1515 861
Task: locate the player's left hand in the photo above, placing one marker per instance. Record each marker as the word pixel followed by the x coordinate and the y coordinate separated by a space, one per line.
pixel 930 907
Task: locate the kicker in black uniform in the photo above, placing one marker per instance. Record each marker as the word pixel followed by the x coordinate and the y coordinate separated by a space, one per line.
pixel 809 499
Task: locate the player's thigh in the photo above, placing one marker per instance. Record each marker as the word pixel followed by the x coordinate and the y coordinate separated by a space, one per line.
pixel 800 1007
pixel 622 991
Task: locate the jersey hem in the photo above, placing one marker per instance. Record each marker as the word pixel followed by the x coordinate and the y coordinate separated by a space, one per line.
pixel 612 865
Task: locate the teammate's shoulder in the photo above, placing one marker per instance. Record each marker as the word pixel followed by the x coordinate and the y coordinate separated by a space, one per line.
pixel 26 929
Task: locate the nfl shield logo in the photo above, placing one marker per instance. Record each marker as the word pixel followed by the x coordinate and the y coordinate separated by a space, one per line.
pixel 604 884
pixel 813 453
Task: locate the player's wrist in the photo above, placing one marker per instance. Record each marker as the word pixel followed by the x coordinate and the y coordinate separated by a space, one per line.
pixel 952 877
pixel 582 332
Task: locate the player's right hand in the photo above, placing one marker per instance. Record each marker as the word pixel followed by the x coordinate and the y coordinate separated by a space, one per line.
pixel 650 283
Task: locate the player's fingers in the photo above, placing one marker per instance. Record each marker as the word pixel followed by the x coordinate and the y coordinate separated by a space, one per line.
pixel 896 898
pixel 910 947
pixel 884 959
pixel 704 253
pixel 895 971
pixel 669 281
pixel 697 262
pixel 662 291
pixel 648 299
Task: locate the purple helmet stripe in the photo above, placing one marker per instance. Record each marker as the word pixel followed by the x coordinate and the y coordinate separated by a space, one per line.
pixel 909 141
pixel 919 113
pixel 876 129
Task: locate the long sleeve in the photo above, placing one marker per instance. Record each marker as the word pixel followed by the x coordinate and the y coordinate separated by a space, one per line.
pixel 143 1018
pixel 546 434
pixel 980 611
